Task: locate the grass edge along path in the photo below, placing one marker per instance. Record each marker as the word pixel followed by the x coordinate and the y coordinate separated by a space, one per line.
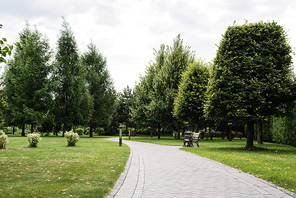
pixel 53 169
pixel 276 163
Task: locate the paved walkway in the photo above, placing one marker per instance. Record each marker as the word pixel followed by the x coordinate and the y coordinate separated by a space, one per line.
pixel 165 171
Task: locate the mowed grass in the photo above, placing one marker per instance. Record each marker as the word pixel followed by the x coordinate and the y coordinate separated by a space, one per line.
pixel 276 164
pixel 89 169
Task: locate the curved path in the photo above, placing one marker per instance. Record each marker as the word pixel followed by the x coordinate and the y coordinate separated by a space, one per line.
pixel 165 171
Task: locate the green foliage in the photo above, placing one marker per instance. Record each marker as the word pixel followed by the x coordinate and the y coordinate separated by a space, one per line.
pixel 71 95
pixel 33 139
pixel 239 135
pixel 27 87
pixel 282 129
pixel 79 131
pixel 2 107
pixel 86 131
pixel 252 75
pixel 167 80
pixel 71 137
pixel 3 140
pixel 100 131
pixel 154 95
pixel 125 105
pixel 100 88
pixel 4 49
pixel 189 102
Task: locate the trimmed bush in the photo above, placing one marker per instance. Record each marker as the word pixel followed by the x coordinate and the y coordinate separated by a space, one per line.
pixel 80 131
pixel 239 135
pixel 86 131
pixel 100 131
pixel 33 139
pixel 71 137
pixel 3 140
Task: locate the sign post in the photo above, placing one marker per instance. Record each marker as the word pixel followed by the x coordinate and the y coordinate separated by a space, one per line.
pixel 129 134
pixel 120 135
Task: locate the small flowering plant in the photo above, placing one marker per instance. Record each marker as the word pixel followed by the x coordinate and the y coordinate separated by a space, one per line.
pixel 33 139
pixel 3 140
pixel 71 137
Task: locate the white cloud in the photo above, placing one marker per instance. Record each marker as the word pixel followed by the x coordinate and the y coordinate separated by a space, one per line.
pixel 126 31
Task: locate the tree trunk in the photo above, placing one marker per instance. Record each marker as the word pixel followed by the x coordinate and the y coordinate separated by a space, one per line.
pixel 23 130
pixel 250 134
pixel 230 132
pixel 32 128
pixel 196 128
pixel 179 128
pixel 63 134
pixel 259 131
pixel 158 129
pixel 126 130
pixel 90 131
pixel 151 132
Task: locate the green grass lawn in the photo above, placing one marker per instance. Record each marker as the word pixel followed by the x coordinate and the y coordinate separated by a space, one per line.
pixel 89 169
pixel 277 164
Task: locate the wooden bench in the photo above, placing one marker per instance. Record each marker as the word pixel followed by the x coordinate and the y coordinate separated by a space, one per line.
pixel 187 141
pixel 195 138
pixel 190 138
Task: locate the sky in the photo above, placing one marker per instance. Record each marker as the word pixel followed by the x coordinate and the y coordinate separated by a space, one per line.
pixel 127 31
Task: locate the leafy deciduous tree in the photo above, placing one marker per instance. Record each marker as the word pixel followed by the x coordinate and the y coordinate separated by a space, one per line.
pixel 4 49
pixel 189 102
pixel 252 75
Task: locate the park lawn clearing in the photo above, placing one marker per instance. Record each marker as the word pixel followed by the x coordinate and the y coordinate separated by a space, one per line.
pixel 164 140
pixel 272 162
pixel 53 169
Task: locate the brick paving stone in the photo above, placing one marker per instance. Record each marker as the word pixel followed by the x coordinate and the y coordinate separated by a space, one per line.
pixel 165 171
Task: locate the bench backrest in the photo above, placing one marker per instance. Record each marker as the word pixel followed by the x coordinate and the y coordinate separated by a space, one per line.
pixel 196 135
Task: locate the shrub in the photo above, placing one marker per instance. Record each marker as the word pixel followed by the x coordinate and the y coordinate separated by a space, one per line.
pixel 86 131
pixel 80 131
pixel 218 134
pixel 206 135
pixel 71 137
pixel 202 135
pixel 33 139
pixel 3 140
pixel 100 131
pixel 239 135
pixel 232 134
pixel 222 135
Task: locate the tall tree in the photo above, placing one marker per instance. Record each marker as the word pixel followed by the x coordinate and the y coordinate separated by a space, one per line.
pixel 26 83
pixel 2 106
pixel 124 108
pixel 69 75
pixel 100 88
pixel 190 100
pixel 252 75
pixel 154 95
pixel 167 81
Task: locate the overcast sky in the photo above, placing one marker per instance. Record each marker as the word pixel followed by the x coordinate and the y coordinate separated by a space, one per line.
pixel 127 31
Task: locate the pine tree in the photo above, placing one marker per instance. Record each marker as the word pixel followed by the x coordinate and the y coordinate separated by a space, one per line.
pixel 27 86
pixel 70 90
pixel 100 88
